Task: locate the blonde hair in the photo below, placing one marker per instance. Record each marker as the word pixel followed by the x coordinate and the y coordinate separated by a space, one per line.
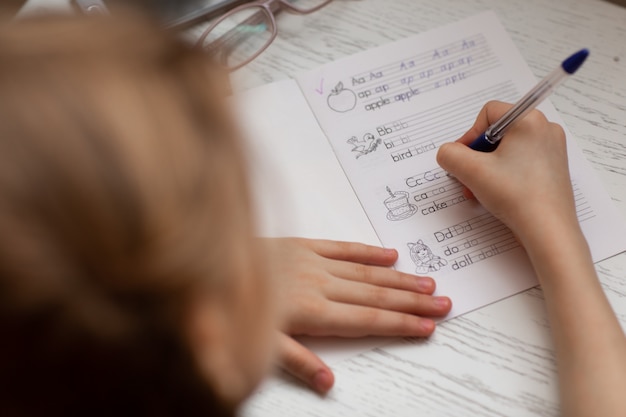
pixel 119 172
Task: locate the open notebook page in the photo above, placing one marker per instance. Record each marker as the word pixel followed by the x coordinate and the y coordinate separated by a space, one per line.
pixel 385 112
pixel 299 188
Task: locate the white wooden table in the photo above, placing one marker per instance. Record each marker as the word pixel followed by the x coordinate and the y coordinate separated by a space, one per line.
pixel 496 361
pixel 499 360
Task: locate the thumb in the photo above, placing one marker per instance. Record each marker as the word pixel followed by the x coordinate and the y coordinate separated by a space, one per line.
pixel 459 160
pixel 304 364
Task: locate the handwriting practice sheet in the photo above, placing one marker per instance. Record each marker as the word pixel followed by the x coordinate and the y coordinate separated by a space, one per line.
pixel 382 115
pixel 386 111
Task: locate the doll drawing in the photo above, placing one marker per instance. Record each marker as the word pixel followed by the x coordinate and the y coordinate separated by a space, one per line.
pixel 424 259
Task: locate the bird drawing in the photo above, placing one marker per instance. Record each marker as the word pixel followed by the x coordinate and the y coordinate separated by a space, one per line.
pixel 361 147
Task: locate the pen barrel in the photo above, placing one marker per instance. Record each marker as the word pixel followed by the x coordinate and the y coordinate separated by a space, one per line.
pixel 526 104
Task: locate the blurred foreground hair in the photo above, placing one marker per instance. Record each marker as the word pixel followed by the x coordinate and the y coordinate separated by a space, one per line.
pixel 118 173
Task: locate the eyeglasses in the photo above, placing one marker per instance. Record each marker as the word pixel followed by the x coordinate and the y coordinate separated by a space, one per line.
pixel 243 33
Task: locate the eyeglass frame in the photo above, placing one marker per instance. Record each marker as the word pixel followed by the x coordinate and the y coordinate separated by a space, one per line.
pixel 269 7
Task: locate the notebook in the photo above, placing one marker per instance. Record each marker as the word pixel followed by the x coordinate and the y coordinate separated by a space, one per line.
pixel 347 151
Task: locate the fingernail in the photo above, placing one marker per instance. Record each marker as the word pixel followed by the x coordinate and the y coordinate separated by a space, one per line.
pixel 427 325
pixel 391 252
pixel 322 381
pixel 425 284
pixel 442 302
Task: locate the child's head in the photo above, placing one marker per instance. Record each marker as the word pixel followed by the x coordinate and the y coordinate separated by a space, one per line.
pixel 129 280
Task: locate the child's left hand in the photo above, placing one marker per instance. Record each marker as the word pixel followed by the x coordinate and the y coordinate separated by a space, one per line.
pixel 345 289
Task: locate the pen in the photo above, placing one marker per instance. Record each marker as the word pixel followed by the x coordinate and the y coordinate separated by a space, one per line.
pixel 489 140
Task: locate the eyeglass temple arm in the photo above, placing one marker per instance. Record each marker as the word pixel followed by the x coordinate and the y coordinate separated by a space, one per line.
pixel 204 13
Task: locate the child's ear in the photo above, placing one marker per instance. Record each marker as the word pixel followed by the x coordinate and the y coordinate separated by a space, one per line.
pixel 411 245
pixel 419 242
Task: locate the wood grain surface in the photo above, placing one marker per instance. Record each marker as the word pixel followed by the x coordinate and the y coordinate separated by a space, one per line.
pixel 499 360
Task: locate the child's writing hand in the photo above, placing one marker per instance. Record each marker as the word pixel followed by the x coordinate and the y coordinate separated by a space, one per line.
pixel 346 289
pixel 525 182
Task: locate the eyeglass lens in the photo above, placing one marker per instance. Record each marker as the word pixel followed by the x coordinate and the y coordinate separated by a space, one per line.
pixel 239 36
pixel 245 32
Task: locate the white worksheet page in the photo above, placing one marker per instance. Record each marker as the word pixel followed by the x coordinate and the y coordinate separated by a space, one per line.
pixel 299 188
pixel 386 111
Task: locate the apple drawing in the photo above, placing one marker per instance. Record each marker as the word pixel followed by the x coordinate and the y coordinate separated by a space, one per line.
pixel 341 99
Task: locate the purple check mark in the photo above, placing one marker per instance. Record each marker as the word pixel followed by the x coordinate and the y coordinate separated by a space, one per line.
pixel 320 90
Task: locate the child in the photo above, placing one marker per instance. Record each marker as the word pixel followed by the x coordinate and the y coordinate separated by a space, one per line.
pixel 130 281
pixel 117 179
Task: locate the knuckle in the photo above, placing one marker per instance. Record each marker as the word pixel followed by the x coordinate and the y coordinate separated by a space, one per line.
pixel 406 324
pixel 536 118
pixel 308 306
pixel 309 279
pixel 497 105
pixel 371 251
pixel 371 317
pixel 558 131
pixel 494 103
pixel 347 247
pixel 363 250
pixel 320 281
pixel 291 358
pixel 558 136
pixel 307 321
pixel 419 303
pixel 364 272
pixel 494 109
pixel 379 296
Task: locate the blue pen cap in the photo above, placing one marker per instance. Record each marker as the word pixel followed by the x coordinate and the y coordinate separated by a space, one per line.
pixel 571 64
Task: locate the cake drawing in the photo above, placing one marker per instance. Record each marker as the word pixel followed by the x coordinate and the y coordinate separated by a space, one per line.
pixel 398 205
